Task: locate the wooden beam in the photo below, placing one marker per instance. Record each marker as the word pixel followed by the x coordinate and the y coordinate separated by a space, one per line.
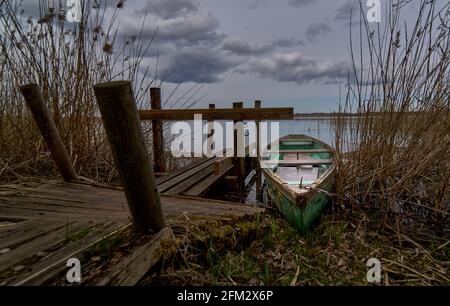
pixel 219 114
pixel 157 132
pixel 47 126
pixel 123 127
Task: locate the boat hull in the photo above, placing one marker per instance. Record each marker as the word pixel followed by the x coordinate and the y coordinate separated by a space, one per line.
pixel 302 209
pixel 300 212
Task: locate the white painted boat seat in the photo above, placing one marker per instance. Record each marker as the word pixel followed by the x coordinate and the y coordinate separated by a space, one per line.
pixel 294 176
pixel 299 162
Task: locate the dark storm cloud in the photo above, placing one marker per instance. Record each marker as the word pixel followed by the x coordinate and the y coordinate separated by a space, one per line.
pixel 190 30
pixel 294 67
pixel 198 65
pixel 316 30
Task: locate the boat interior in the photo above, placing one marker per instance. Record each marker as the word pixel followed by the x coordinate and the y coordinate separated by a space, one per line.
pixel 297 162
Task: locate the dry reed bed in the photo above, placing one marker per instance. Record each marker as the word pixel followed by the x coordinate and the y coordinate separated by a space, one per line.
pixel 66 60
pixel 399 145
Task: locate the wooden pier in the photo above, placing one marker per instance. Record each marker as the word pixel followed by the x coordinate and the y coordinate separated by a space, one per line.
pixel 43 225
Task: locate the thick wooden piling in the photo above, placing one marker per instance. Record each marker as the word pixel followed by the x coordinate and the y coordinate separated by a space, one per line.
pixel 211 122
pixel 47 126
pixel 123 127
pixel 157 132
pixel 210 132
pixel 259 195
pixel 239 162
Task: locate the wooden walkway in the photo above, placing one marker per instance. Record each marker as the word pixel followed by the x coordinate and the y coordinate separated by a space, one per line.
pixel 196 179
pixel 42 226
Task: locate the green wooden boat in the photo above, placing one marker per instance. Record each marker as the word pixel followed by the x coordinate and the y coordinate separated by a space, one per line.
pixel 299 172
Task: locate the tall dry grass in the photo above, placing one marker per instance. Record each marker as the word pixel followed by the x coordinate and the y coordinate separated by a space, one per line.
pixel 67 60
pixel 398 147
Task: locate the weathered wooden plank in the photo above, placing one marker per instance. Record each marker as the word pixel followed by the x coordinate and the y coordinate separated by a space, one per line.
pixel 54 206
pixel 189 175
pixel 196 179
pixel 27 232
pixel 131 269
pixel 204 186
pixel 48 240
pixel 176 173
pixel 55 263
pixel 98 203
pixel 221 164
pixel 246 114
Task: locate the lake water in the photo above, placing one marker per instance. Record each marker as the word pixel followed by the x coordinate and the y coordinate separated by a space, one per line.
pixel 320 128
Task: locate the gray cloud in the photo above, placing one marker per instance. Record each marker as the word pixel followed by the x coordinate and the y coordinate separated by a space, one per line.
pixel 316 30
pixel 244 48
pixel 241 47
pixel 198 65
pixel 300 3
pixel 294 3
pixel 189 30
pixel 288 42
pixel 294 67
pixel 168 9
pixel 350 8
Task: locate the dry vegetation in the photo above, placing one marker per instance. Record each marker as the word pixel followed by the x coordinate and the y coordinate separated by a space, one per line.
pixel 394 159
pixel 399 160
pixel 66 60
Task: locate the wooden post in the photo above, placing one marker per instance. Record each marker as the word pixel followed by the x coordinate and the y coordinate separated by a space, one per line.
pixel 239 162
pixel 157 132
pixel 210 130
pixel 47 126
pixel 123 127
pixel 259 195
pixel 210 122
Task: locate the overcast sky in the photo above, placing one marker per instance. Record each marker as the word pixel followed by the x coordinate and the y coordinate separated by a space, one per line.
pixel 284 52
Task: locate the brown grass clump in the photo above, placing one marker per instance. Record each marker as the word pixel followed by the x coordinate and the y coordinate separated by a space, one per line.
pixel 66 60
pixel 395 156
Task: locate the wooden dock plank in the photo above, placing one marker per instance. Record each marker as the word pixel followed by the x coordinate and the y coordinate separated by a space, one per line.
pixel 134 267
pixel 40 272
pixel 43 217
pixel 203 187
pixel 194 180
pixel 163 179
pixel 184 176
